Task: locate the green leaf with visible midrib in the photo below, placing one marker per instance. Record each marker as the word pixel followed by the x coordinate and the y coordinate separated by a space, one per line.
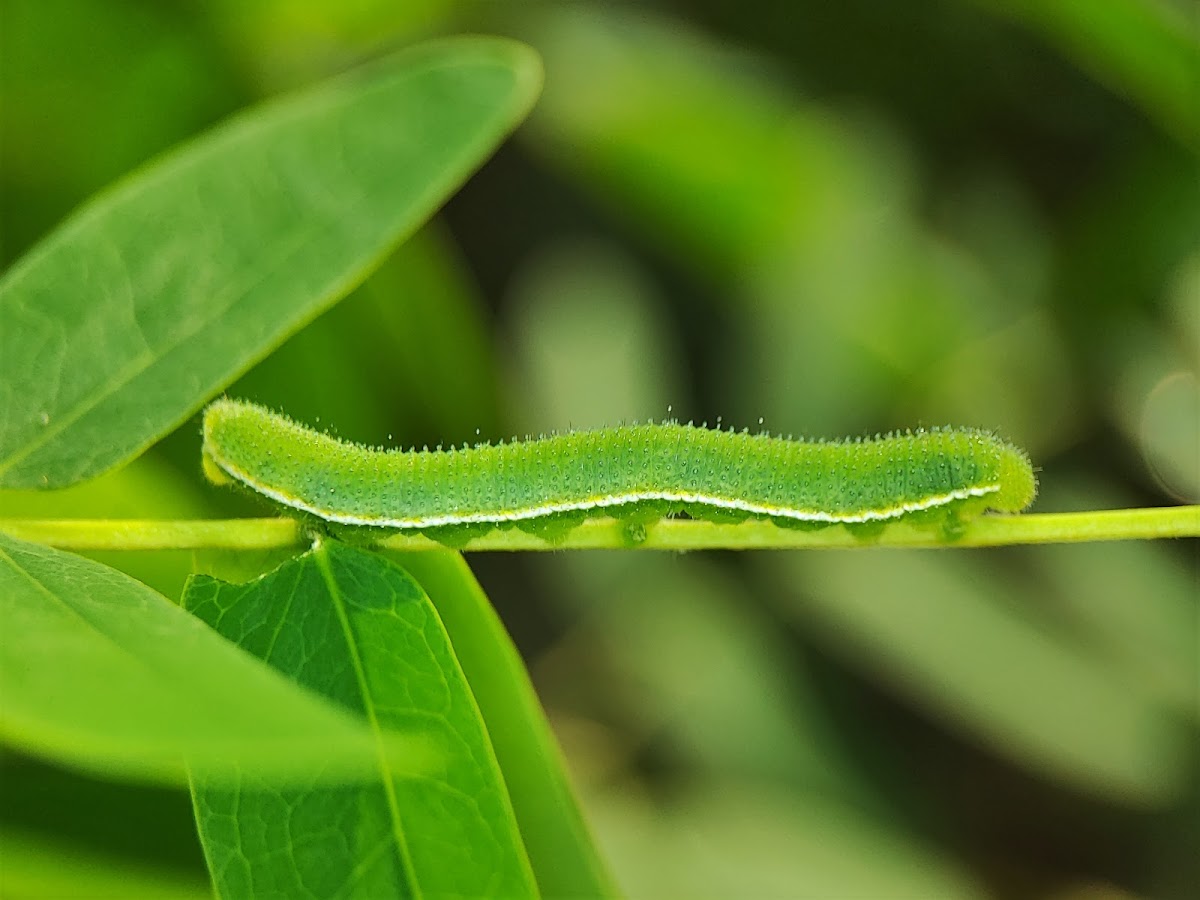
pixel 359 630
pixel 561 850
pixel 100 672
pixel 157 294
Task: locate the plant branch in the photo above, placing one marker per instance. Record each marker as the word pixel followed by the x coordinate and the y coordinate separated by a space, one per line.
pixel 610 534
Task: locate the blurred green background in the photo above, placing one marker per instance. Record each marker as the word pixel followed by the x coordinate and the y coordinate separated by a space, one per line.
pixel 836 218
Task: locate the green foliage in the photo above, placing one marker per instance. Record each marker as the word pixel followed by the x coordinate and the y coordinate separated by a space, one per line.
pixel 410 767
pixel 360 631
pixel 101 672
pixel 560 847
pixel 161 292
pixel 843 218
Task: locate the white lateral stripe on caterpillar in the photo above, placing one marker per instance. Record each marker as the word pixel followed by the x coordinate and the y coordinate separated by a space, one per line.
pixel 550 509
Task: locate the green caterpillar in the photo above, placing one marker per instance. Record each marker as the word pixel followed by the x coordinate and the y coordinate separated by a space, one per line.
pixel 638 473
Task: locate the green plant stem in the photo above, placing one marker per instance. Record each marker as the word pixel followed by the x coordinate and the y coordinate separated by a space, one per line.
pixel 609 534
pixel 158 534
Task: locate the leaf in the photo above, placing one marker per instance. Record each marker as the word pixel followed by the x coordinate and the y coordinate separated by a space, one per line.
pixel 115 328
pixel 561 849
pixel 99 672
pixel 147 488
pixel 357 628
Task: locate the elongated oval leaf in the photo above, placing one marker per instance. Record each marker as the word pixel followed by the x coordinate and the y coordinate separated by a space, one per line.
pixel 156 295
pixel 561 850
pixel 100 672
pixel 358 629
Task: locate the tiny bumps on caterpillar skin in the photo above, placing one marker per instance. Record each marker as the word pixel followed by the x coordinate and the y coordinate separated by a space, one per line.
pixel 636 473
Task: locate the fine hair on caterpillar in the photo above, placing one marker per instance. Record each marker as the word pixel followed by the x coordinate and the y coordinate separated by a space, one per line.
pixel 635 472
